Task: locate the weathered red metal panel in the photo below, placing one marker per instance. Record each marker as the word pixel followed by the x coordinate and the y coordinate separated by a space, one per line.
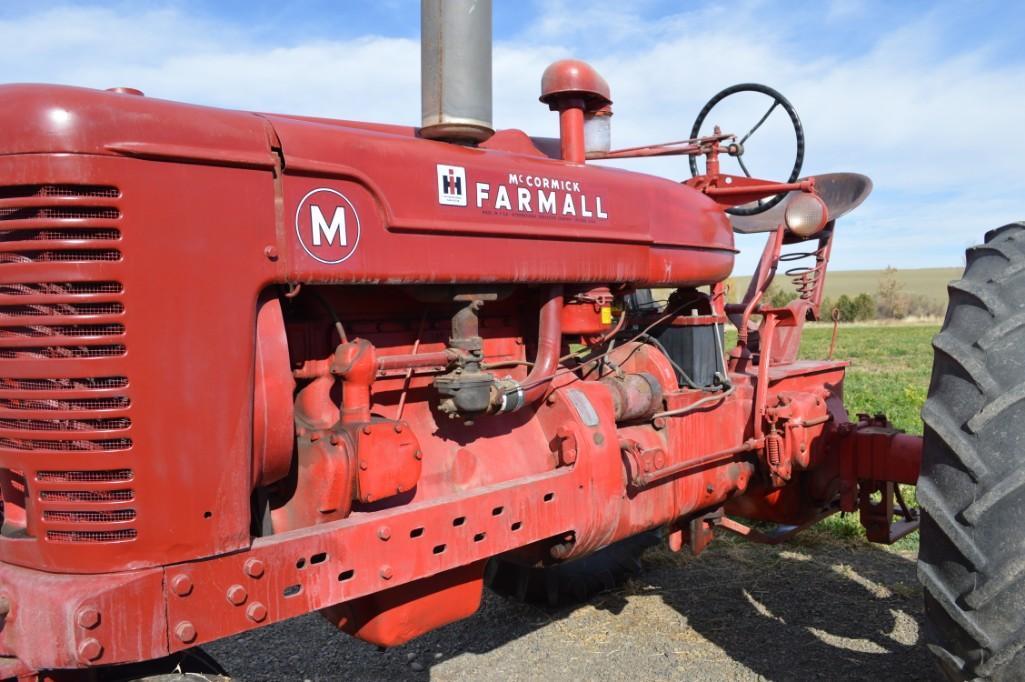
pixel 174 394
pixel 164 275
pixel 71 621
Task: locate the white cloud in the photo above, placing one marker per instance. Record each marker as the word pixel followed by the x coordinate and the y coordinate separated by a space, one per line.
pixel 938 132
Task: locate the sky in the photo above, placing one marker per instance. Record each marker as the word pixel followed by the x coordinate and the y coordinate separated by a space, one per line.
pixel 925 98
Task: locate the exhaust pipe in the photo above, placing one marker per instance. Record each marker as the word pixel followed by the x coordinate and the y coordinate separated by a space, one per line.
pixel 455 70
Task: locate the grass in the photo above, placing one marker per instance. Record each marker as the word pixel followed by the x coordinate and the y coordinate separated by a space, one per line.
pixel 889 374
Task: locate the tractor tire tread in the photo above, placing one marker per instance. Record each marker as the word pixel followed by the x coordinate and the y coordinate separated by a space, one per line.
pixel 972 486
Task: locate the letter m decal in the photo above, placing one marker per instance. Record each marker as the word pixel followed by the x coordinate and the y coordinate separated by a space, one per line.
pixel 328 232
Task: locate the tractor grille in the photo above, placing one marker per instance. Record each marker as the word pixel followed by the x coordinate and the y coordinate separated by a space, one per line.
pixel 63 389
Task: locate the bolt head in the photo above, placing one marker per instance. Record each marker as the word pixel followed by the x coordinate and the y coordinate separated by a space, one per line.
pixel 5 605
pixel 254 568
pixel 185 632
pixel 386 572
pixel 384 532
pixel 335 440
pixel 271 252
pixel 256 612
pixel 398 427
pixel 181 585
pixel 363 464
pixel 236 594
pixel 87 617
pixel 90 649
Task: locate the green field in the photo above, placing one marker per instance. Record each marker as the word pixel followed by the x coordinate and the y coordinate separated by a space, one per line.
pixel 890 367
pixel 889 374
pixel 928 282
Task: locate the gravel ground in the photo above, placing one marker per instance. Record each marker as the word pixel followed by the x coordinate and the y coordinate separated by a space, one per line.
pixel 817 609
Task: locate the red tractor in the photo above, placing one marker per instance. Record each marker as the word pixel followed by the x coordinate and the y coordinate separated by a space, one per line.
pixel 254 366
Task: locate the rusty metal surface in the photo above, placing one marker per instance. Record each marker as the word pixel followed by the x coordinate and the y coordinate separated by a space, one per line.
pixel 220 370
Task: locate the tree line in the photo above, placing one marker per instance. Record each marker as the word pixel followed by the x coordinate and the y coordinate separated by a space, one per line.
pixel 891 301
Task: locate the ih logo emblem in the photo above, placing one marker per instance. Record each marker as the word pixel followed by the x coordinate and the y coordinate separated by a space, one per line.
pixel 451 185
pixel 327 226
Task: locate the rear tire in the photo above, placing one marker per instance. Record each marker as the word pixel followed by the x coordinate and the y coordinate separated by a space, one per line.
pixel 972 485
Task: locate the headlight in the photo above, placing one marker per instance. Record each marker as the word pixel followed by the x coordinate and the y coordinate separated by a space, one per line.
pixel 806 214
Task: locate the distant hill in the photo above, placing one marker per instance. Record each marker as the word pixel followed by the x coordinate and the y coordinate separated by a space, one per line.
pixel 929 282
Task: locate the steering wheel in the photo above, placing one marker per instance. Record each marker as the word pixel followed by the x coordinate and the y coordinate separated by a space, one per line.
pixel 778 100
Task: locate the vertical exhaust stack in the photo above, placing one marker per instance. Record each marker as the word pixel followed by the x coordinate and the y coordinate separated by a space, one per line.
pixel 455 70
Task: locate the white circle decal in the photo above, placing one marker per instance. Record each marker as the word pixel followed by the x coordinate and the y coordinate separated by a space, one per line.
pixel 327 225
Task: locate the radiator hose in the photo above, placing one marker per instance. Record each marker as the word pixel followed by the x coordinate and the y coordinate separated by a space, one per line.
pixel 510 394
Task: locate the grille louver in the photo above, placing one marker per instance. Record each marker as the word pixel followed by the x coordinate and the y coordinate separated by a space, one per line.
pixel 62 310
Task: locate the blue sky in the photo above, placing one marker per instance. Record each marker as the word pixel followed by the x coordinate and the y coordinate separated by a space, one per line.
pixel 926 98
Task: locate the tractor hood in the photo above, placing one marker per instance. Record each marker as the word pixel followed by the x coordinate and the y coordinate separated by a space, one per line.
pixel 377 203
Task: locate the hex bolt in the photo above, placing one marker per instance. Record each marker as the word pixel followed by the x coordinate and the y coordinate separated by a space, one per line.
pixel 418 455
pixel 363 464
pixel 335 440
pixel 398 427
pixel 386 572
pixel 367 430
pixel 236 594
pixel 256 612
pixel 181 584
pixel 87 617
pixel 271 252
pixel 253 567
pixel 384 532
pixel 185 632
pixel 90 649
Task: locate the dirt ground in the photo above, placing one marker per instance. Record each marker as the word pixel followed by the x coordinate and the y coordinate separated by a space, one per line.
pixel 820 608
